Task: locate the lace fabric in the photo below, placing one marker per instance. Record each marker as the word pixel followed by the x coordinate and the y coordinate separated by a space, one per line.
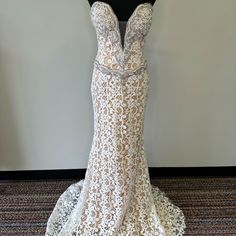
pixel 116 197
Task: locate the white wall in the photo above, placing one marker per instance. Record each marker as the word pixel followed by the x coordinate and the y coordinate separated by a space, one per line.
pixel 47 49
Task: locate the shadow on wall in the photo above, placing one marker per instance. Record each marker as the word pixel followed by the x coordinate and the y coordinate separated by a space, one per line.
pixel 10 147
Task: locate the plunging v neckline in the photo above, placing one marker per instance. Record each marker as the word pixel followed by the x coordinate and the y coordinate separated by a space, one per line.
pixel 123 48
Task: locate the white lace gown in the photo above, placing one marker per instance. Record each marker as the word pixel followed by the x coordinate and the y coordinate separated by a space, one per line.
pixel 116 197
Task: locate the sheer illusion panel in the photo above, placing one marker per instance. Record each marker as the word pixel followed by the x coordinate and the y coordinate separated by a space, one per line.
pixel 122 30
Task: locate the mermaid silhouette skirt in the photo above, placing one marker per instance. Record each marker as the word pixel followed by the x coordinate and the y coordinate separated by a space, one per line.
pixel 116 197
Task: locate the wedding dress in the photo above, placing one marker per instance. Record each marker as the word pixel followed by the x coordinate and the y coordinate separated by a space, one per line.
pixel 116 197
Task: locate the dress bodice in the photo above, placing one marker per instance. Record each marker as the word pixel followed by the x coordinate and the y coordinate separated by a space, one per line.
pixel 111 53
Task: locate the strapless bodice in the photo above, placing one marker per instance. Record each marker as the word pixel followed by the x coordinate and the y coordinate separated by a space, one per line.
pixel 111 54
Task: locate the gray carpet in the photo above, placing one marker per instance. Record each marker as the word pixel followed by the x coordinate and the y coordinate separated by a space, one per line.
pixel 209 204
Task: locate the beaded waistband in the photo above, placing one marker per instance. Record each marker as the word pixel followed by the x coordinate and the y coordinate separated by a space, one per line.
pixel 107 70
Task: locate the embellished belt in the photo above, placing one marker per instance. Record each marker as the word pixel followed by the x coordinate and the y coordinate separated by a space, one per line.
pixel 105 69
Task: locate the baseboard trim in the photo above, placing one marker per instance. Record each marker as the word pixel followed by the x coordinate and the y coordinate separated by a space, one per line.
pixel 209 171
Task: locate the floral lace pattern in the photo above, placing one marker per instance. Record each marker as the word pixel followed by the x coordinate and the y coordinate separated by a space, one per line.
pixel 116 197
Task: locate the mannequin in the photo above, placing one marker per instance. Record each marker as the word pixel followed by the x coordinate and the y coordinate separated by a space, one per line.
pixel 123 10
